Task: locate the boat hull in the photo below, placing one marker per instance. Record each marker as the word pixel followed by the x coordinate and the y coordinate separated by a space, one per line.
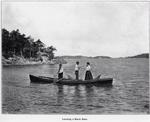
pixel 42 79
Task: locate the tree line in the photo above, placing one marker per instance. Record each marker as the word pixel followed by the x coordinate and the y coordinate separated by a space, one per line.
pixel 15 43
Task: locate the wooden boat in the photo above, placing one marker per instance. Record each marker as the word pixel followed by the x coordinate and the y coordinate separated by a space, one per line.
pixel 40 79
pixel 95 81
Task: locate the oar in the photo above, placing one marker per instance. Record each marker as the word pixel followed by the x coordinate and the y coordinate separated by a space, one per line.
pixel 98 77
pixel 56 79
pixel 59 80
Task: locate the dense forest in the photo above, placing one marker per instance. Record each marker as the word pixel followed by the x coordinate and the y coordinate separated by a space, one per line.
pixel 15 43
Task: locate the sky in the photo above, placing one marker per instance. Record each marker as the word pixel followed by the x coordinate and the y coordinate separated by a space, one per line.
pixel 115 29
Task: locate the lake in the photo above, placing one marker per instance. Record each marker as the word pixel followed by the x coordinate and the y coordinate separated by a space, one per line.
pixel 128 95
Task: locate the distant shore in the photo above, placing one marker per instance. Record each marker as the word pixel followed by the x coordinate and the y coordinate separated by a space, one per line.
pixel 23 61
pixel 143 55
pixel 59 59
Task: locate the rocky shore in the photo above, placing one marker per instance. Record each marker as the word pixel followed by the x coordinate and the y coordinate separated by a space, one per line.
pixel 30 61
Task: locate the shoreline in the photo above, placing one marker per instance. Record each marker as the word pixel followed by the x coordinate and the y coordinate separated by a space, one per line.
pixel 23 64
pixel 53 62
pixel 19 61
pixel 28 64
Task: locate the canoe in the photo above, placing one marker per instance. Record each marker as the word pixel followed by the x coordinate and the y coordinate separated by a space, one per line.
pixel 95 81
pixel 40 79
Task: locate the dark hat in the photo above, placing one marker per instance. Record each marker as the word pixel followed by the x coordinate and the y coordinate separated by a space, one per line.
pixel 88 63
pixel 77 62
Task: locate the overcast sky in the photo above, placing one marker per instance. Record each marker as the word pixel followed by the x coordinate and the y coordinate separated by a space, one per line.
pixel 83 28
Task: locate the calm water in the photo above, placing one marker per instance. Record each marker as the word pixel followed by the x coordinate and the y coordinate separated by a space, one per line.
pixel 128 95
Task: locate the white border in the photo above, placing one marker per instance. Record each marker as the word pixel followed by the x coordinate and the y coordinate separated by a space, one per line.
pixel 59 118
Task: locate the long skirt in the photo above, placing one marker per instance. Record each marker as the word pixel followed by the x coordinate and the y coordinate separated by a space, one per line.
pixel 88 75
pixel 60 75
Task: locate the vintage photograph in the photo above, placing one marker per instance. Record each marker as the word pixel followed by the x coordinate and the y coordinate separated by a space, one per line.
pixel 75 58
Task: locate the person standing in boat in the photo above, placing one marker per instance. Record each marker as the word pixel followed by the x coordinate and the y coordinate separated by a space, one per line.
pixel 88 74
pixel 60 72
pixel 77 70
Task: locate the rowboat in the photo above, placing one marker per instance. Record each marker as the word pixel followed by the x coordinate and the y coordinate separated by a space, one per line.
pixel 64 81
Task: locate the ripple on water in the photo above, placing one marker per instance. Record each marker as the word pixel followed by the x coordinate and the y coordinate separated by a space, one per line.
pixel 128 95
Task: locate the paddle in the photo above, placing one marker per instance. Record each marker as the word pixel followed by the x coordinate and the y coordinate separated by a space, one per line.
pixel 59 80
pixel 98 77
pixel 56 79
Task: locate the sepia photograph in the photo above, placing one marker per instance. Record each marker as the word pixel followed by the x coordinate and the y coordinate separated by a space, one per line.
pixel 76 58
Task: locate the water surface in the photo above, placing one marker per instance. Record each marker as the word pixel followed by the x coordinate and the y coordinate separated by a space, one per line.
pixel 128 95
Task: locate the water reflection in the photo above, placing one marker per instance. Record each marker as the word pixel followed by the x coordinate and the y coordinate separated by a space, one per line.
pixel 60 95
pixel 80 90
pixel 76 91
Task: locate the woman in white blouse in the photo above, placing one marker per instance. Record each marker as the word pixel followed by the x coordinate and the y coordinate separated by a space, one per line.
pixel 88 74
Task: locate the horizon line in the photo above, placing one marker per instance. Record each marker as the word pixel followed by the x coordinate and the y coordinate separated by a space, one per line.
pixel 103 55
